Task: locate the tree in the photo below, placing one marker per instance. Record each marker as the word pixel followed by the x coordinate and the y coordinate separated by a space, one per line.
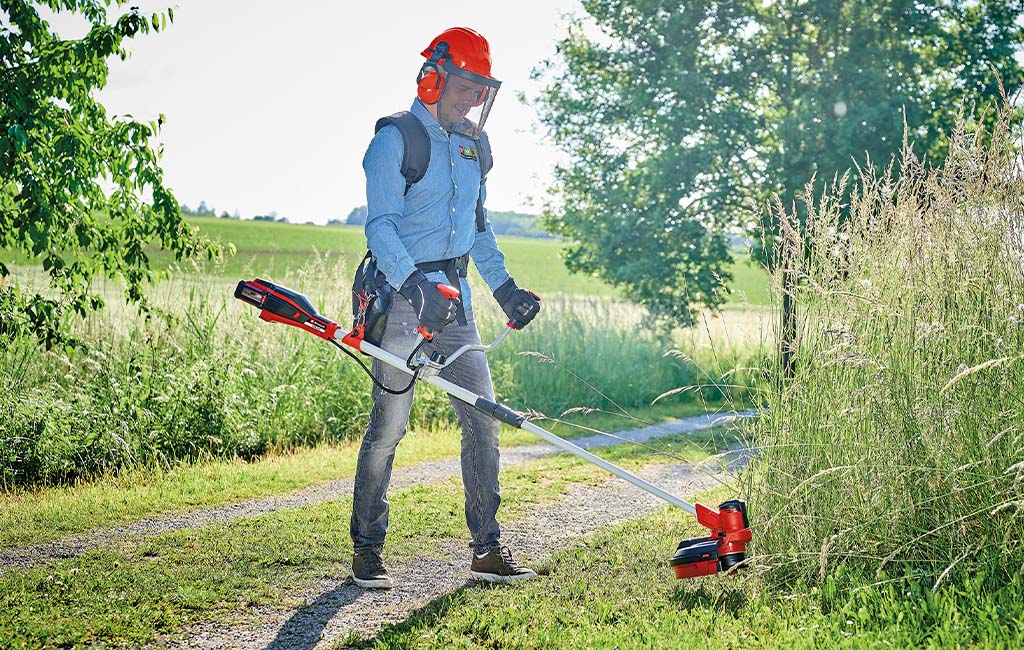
pixel 57 149
pixel 679 116
pixel 357 217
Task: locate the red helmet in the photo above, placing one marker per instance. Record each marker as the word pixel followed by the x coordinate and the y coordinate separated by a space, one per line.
pixel 460 51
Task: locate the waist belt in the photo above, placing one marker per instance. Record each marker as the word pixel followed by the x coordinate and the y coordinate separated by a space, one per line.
pixel 453 269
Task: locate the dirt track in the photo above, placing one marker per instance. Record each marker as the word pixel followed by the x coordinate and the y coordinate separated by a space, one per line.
pixel 336 610
pixel 25 556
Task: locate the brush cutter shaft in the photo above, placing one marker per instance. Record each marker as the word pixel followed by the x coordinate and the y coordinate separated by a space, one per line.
pixel 605 465
pixel 510 417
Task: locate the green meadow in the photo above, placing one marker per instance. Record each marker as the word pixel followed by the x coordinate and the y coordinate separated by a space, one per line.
pixel 201 378
pixel 280 249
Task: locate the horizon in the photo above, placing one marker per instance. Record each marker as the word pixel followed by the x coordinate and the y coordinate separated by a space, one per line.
pixel 259 118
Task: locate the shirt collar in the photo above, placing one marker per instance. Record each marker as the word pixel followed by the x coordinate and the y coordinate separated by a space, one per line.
pixel 419 109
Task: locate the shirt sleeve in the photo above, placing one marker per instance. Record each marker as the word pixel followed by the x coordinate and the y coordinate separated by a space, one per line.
pixel 385 204
pixel 489 260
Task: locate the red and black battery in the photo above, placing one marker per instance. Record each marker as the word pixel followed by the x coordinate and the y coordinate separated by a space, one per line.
pixel 279 304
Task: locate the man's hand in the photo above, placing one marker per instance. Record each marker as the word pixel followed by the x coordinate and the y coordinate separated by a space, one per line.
pixel 518 304
pixel 432 308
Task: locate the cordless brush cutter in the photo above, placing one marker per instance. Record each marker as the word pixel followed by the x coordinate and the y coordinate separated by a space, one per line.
pixel 722 551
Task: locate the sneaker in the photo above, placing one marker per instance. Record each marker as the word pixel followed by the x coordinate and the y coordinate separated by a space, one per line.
pixel 368 570
pixel 497 565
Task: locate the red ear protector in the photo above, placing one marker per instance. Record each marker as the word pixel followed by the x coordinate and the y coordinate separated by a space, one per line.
pixel 429 84
pixel 430 81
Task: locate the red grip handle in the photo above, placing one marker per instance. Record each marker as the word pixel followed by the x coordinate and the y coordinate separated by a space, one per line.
pixel 448 291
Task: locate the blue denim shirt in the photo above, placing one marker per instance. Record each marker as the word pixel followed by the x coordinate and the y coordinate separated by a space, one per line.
pixel 436 220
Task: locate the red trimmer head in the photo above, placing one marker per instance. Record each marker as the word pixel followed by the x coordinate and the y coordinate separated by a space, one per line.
pixel 723 550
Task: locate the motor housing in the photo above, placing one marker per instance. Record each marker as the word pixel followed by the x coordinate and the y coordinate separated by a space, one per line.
pixel 721 552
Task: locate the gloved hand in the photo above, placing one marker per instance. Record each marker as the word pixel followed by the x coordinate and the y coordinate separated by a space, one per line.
pixel 518 304
pixel 433 309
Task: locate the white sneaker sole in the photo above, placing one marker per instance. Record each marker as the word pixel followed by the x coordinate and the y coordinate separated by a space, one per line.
pixel 494 578
pixel 385 583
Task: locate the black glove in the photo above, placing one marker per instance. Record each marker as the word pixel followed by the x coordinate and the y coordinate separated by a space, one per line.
pixel 518 304
pixel 433 310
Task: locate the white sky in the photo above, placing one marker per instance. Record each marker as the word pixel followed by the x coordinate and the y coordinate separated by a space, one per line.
pixel 270 105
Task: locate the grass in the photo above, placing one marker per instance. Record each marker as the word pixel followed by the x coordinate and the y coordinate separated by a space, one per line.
pixel 614 590
pixel 898 448
pixel 42 514
pixel 157 585
pixel 280 249
pixel 886 495
pixel 204 379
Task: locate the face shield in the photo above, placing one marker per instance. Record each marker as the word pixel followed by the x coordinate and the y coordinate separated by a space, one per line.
pixel 465 101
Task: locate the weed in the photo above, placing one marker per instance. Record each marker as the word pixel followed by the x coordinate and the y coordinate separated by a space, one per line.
pixel 895 454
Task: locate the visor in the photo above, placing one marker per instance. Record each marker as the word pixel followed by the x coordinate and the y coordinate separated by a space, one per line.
pixel 466 100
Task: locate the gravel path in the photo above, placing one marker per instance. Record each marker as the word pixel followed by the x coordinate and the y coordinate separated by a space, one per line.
pixel 336 611
pixel 26 556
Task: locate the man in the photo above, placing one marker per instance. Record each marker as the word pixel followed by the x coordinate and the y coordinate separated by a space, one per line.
pixel 422 234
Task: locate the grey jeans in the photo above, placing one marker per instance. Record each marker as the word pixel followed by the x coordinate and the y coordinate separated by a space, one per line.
pixel 389 419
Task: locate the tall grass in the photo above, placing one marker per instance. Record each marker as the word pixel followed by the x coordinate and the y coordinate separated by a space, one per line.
pixel 204 378
pixel 898 448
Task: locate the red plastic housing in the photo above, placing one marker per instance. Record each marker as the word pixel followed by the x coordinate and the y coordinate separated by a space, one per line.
pixel 278 304
pixel 722 551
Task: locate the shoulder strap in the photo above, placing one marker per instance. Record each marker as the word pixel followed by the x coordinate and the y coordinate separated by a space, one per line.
pixel 417 145
pixel 486 162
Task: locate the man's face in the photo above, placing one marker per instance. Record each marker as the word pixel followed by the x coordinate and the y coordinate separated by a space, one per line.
pixel 459 96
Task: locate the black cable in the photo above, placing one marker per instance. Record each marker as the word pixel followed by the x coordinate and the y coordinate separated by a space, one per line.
pixel 369 373
pixel 408 361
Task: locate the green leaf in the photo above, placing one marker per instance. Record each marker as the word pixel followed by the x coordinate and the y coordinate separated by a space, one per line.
pixel 57 141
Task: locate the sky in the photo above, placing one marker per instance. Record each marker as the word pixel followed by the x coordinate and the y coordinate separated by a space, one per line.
pixel 270 105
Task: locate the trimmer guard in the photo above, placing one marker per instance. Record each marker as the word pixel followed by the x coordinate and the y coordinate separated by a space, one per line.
pixel 723 551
